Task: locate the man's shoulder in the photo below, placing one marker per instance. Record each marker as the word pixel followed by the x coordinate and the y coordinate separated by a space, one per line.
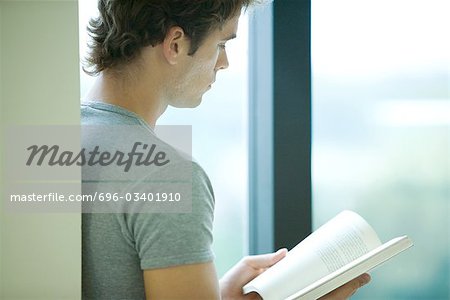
pixel 97 113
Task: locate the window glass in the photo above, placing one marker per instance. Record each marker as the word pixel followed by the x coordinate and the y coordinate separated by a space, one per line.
pixel 381 117
pixel 219 131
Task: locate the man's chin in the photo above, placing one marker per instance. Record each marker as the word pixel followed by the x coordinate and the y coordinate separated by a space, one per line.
pixel 188 103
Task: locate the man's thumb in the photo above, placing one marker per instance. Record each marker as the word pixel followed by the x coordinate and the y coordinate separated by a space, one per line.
pixel 266 260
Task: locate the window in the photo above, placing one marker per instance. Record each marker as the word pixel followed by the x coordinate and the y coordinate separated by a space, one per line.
pixel 381 116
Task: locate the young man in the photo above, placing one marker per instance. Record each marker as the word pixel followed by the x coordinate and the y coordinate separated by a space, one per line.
pixel 150 54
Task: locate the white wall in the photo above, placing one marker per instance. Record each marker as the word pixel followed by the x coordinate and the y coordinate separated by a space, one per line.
pixel 40 254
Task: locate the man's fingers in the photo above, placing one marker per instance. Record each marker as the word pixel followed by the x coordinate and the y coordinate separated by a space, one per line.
pixel 358 282
pixel 265 260
pixel 348 289
pixel 363 279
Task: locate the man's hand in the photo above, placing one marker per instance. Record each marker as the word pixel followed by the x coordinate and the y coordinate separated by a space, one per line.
pixel 244 271
pixel 348 289
pixel 251 266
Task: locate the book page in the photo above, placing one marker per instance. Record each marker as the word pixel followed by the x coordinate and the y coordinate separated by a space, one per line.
pixel 336 243
pixel 349 236
pixel 353 269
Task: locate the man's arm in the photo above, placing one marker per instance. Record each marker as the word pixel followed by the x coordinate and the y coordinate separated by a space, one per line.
pixel 199 281
pixel 196 281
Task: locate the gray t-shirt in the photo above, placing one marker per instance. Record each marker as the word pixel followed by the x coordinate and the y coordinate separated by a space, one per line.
pixel 116 247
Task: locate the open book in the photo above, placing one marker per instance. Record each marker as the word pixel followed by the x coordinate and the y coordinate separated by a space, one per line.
pixel 340 250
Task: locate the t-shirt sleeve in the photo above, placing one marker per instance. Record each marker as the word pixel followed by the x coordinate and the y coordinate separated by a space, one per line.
pixel 169 239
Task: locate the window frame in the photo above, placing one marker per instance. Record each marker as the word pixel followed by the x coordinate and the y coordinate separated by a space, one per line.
pixel 280 200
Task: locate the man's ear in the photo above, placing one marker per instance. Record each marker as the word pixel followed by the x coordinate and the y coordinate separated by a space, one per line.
pixel 175 44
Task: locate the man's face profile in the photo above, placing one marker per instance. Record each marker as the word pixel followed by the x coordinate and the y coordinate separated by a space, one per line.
pixel 197 72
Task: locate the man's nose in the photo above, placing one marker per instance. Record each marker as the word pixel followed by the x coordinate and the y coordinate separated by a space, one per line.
pixel 222 61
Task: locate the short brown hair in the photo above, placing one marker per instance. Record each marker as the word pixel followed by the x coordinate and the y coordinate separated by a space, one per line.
pixel 124 27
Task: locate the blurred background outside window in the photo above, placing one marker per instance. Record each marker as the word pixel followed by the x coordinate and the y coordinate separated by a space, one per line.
pixel 381 117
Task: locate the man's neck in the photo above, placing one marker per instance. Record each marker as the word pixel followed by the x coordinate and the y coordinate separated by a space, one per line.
pixel 130 93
